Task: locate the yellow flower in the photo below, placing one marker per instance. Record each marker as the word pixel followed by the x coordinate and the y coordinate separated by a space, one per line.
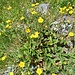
pixel 65 63
pixel 71 12
pixel 32 36
pixel 54 74
pixel 23 74
pixel 8 21
pixel 33 12
pixel 21 64
pixel 36 36
pixel 64 8
pixel 10 27
pixel 36 33
pixel 31 9
pixel 27 30
pixel 39 71
pixel 22 18
pixel 67 9
pixel 11 73
pixel 33 5
pixel 28 73
pixel 68 21
pixel 61 38
pixel 40 20
pixel 71 34
pixel 0 33
pixel 7 26
pixel 61 12
pixel 9 8
pixel 61 9
pixel 37 4
pixel 3 58
pixel 70 7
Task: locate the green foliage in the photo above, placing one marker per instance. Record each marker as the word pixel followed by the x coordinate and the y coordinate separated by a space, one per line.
pixel 24 38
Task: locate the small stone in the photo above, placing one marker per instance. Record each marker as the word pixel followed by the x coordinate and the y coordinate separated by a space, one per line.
pixel 43 8
pixel 33 1
pixel 55 22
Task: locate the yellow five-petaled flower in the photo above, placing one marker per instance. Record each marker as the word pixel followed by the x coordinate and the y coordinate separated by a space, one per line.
pixel 33 12
pixel 9 8
pixel 8 26
pixel 28 73
pixel 22 18
pixel 70 7
pixel 11 73
pixel 37 4
pixel 54 74
pixel 39 71
pixel 68 21
pixel 0 33
pixel 23 74
pixel 33 5
pixel 71 34
pixel 35 35
pixel 8 21
pixel 40 20
pixel 3 58
pixel 21 64
pixel 71 12
pixel 27 30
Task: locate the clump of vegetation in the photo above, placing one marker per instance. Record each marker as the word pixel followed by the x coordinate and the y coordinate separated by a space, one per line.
pixel 32 43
